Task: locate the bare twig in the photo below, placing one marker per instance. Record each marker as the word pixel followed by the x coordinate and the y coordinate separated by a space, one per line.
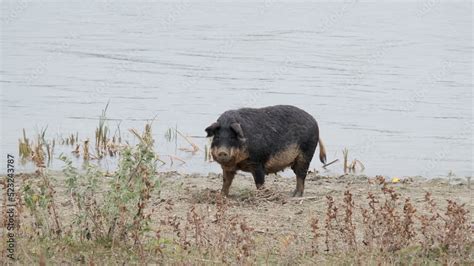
pixel 328 164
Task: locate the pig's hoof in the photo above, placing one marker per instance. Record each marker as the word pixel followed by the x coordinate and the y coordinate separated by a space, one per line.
pixel 297 193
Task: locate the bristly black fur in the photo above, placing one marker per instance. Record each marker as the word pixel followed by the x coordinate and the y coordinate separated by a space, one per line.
pixel 271 129
pixel 264 132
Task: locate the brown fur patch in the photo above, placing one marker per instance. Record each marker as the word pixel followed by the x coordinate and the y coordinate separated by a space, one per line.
pixel 215 151
pixel 237 155
pixel 282 159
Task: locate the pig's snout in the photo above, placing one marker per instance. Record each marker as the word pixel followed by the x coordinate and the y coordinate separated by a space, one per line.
pixel 222 155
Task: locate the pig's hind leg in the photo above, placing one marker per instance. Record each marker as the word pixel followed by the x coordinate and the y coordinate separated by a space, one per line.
pixel 300 168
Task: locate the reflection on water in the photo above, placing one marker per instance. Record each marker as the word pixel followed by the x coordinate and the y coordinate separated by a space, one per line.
pixel 391 82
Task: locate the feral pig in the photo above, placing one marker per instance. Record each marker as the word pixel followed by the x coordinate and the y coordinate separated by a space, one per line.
pixel 263 141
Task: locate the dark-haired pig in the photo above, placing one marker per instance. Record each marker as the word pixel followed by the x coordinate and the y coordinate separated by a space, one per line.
pixel 263 141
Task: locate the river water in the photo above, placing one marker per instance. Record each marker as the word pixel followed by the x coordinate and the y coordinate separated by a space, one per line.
pixel 391 82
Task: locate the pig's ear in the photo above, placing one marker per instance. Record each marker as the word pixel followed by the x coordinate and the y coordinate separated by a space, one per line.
pixel 212 129
pixel 238 129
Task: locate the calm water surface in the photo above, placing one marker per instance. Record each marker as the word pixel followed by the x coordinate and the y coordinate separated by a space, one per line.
pixel 391 82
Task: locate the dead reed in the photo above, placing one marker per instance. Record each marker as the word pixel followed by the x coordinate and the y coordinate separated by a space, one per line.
pixel 40 151
pixel 352 166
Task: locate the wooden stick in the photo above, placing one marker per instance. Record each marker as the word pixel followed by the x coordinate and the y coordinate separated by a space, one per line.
pixel 328 164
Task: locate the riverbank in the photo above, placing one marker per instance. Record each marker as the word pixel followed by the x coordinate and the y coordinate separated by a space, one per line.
pixel 356 219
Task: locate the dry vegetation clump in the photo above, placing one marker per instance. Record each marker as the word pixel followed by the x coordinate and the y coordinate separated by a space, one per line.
pixel 40 152
pixel 208 236
pixel 111 213
pixel 449 233
pixel 390 225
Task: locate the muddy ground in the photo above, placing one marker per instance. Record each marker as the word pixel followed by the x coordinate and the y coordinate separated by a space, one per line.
pixel 273 210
